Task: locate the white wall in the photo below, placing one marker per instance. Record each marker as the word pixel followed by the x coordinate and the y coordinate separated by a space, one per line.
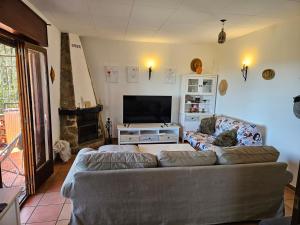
pixel 100 53
pixel 81 78
pixel 53 52
pixel 265 102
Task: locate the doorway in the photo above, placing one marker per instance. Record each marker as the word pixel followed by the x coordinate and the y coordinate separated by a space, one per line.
pixel 26 157
pixel 11 148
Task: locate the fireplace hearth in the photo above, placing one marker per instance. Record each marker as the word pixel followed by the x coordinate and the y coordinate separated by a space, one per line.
pixel 80 125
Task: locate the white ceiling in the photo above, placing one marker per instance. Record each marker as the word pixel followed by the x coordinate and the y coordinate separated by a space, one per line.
pixel 168 21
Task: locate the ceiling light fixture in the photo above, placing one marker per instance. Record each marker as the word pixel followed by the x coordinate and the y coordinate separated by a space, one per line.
pixel 222 34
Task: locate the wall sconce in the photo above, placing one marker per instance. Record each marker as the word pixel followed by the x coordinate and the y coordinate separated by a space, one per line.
pixel 150 64
pixel 245 69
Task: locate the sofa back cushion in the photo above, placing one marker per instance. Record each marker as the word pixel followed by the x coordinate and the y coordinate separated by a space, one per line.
pixel 186 158
pixel 118 148
pixel 115 160
pixel 247 133
pixel 246 154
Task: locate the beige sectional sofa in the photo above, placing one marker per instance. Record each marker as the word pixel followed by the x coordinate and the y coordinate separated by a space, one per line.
pixel 180 188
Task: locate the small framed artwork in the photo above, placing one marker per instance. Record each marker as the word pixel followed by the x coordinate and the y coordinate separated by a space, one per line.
pixel 112 74
pixel 170 77
pixel 132 74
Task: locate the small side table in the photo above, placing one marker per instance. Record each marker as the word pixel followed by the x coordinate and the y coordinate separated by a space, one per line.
pixel 11 214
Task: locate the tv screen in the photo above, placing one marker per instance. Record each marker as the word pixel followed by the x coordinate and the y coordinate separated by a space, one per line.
pixel 147 109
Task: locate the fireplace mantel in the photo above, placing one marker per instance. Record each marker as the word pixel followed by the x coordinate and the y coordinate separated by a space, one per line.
pixel 79 111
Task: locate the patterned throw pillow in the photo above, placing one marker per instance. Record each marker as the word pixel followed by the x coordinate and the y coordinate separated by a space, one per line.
pixel 224 123
pixel 207 125
pixel 249 134
pixel 226 139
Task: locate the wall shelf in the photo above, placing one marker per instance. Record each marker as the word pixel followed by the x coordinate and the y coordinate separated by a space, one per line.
pixel 198 100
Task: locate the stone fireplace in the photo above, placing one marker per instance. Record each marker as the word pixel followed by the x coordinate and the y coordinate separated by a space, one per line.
pixel 79 115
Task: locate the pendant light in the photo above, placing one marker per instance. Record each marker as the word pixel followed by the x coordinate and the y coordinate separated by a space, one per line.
pixel 222 34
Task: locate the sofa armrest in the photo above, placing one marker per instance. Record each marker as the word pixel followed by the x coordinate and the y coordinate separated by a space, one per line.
pixel 68 182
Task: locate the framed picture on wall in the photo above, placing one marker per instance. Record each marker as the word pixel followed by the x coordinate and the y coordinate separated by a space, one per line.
pixel 132 74
pixel 170 76
pixel 112 74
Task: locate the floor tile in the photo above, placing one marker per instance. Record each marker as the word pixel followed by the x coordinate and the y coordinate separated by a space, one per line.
pixel 63 222
pixel 25 213
pixel 65 212
pixel 52 198
pixel 45 213
pixel 33 200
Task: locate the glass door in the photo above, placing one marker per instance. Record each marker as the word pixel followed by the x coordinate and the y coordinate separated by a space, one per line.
pixel 207 86
pixel 41 155
pixel 12 173
pixel 192 85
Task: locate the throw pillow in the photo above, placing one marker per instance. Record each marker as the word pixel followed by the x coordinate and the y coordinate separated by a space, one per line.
pixel 207 125
pixel 226 139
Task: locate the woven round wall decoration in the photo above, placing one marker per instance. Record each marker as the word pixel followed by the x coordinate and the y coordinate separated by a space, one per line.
pixel 223 86
pixel 196 65
pixel 268 74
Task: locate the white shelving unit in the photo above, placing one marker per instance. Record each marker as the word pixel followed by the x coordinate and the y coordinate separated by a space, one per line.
pixel 148 133
pixel 198 100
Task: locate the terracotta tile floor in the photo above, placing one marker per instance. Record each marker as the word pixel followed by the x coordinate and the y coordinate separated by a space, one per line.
pixel 8 170
pixel 48 207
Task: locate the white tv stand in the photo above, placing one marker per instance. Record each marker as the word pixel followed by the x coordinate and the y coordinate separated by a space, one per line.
pixel 148 133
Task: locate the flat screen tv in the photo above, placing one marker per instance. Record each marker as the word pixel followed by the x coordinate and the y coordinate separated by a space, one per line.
pixel 147 109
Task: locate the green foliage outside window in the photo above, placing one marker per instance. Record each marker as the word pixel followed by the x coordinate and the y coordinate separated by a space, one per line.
pixel 8 78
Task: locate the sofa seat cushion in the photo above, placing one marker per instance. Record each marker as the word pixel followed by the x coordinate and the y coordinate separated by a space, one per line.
pixel 118 148
pixel 246 154
pixel 94 161
pixel 186 158
pixel 199 141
